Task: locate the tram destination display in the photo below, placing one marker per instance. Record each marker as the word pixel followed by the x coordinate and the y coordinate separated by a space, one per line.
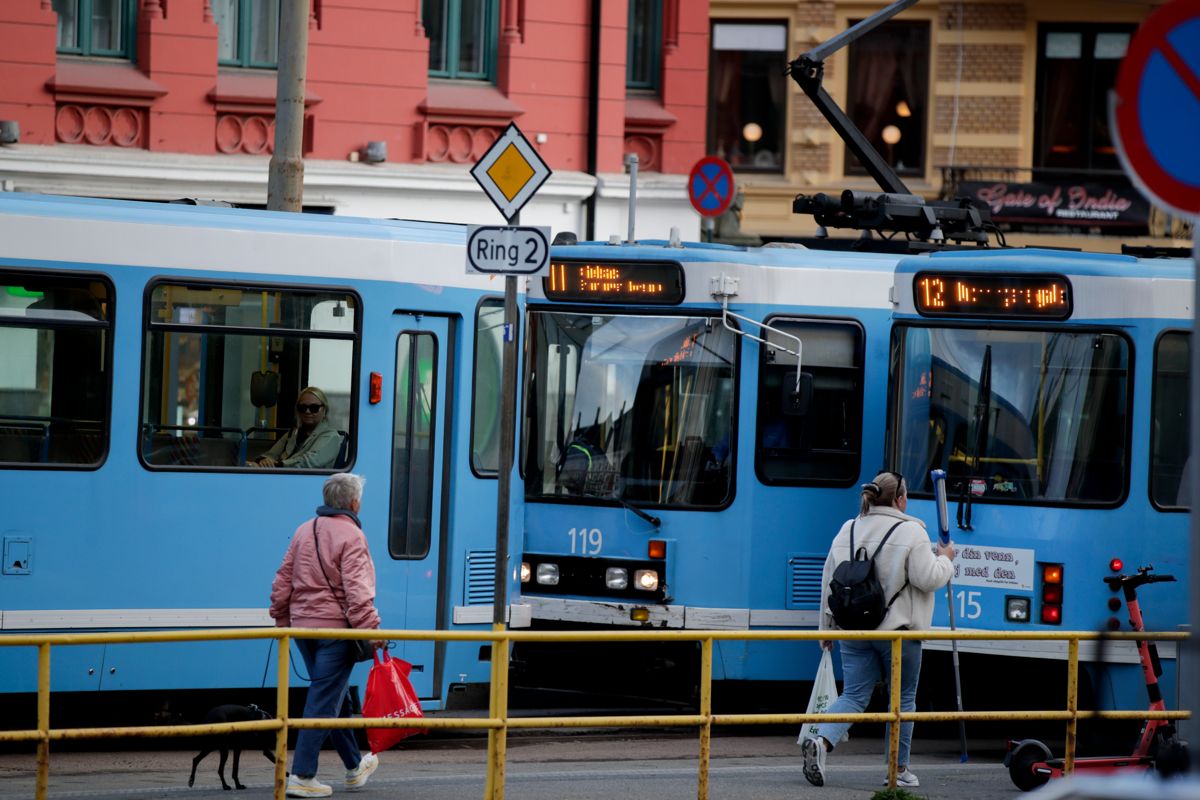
pixel 633 282
pixel 976 295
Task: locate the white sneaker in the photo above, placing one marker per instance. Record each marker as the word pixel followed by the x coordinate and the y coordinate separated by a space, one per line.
pixel 356 777
pixel 905 779
pixel 814 760
pixel 307 787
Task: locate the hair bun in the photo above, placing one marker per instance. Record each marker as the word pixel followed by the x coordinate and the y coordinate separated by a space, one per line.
pixel 871 488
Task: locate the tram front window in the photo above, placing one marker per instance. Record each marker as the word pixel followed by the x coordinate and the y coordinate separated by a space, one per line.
pixel 636 408
pixel 1022 415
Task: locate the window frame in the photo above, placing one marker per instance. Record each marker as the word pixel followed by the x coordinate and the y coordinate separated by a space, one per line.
pixel 490 300
pixel 415 334
pixel 148 326
pixel 127 27
pixel 244 48
pixel 1186 335
pixel 653 82
pixel 860 351
pixel 109 326
pixel 893 408
pixel 453 37
pixel 527 404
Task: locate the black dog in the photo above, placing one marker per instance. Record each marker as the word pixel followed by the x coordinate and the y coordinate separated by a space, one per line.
pixel 254 740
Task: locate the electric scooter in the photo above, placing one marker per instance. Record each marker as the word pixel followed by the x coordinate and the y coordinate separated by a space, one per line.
pixel 1029 762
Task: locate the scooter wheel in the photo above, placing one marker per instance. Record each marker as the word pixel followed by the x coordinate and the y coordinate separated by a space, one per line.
pixel 1020 765
pixel 1172 758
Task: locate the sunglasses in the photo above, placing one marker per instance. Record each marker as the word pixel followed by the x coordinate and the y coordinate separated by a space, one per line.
pixel 309 409
pixel 899 483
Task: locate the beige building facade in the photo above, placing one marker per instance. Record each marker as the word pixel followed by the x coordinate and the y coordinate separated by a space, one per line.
pixel 1006 102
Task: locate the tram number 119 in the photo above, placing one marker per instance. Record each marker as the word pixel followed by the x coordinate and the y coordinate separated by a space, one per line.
pixel 586 541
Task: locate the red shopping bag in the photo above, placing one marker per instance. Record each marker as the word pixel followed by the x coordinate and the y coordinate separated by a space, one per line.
pixel 389 694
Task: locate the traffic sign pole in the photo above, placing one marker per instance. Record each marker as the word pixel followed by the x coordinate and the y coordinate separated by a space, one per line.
pixel 508 426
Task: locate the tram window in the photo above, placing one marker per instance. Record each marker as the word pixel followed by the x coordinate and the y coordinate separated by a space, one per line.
pixel 55 369
pixel 410 519
pixel 485 412
pixel 1019 415
pixel 635 408
pixel 224 368
pixel 824 445
pixel 1170 467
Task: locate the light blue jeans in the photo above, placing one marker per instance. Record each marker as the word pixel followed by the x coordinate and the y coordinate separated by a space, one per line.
pixel 329 665
pixel 865 663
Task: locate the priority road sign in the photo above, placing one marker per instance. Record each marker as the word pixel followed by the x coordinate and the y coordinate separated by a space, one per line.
pixel 511 171
pixel 1156 107
pixel 710 186
pixel 508 250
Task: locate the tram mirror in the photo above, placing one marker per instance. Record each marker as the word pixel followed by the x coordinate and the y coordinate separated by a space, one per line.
pixel 797 395
pixel 264 389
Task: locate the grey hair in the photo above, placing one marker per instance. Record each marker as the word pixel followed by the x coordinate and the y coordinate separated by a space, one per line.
pixel 884 490
pixel 342 489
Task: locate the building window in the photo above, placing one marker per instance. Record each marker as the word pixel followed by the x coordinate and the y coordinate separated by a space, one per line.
pixel 748 95
pixel 887 94
pixel 643 57
pixel 96 27
pixel 248 32
pixel 462 37
pixel 1077 67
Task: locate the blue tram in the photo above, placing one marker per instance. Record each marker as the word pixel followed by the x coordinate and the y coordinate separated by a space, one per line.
pixel 698 421
pixel 149 351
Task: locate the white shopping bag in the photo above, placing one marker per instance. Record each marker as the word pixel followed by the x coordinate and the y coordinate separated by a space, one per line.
pixel 823 694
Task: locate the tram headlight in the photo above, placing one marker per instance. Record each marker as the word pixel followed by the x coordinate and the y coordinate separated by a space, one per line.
pixel 616 578
pixel 1016 609
pixel 547 574
pixel 646 580
pixel 526 572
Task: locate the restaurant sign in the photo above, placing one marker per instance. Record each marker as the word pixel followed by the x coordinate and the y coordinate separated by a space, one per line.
pixel 1086 204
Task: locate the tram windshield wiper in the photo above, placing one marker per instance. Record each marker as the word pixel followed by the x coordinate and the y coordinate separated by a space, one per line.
pixel 628 506
pixel 983 402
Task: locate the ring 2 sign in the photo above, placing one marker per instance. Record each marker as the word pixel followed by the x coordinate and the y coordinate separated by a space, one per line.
pixel 508 249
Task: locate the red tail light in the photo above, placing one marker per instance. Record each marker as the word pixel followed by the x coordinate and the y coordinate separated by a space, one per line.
pixel 1116 565
pixel 376 393
pixel 1051 614
pixel 1052 594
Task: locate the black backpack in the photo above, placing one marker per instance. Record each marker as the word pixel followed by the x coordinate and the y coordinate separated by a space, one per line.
pixel 856 597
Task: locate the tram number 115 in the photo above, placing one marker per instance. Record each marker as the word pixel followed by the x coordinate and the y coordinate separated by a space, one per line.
pixel 968 604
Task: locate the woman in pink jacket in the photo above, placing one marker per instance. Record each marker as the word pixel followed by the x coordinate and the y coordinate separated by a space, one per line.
pixel 327 580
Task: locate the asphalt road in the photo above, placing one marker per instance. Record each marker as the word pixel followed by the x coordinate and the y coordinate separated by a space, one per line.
pixel 582 766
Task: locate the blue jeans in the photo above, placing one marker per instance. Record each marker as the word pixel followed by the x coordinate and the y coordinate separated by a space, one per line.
pixel 329 665
pixel 865 663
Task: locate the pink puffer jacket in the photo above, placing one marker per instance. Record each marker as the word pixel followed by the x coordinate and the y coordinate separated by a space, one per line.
pixel 300 595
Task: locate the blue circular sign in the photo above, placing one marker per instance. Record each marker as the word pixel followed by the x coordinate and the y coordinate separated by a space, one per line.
pixel 710 186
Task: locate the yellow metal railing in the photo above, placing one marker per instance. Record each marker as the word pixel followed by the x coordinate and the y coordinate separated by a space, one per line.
pixel 497 723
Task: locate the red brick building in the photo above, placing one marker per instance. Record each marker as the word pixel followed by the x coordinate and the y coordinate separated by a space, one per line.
pixel 159 99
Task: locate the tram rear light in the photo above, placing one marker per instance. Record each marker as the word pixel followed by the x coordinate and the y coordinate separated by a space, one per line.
pixel 1052 594
pixel 1114 604
pixel 1116 565
pixel 656 548
pixel 1114 624
pixel 640 614
pixel 376 389
pixel 526 572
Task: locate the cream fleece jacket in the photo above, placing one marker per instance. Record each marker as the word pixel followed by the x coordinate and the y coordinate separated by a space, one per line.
pixel 908 553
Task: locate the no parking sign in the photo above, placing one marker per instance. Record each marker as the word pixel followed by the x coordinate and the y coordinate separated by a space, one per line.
pixel 1156 107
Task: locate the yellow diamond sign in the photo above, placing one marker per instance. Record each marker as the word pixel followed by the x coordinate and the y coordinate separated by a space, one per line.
pixel 511 171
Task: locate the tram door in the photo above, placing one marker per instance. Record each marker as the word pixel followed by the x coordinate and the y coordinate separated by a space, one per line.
pixel 415 516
